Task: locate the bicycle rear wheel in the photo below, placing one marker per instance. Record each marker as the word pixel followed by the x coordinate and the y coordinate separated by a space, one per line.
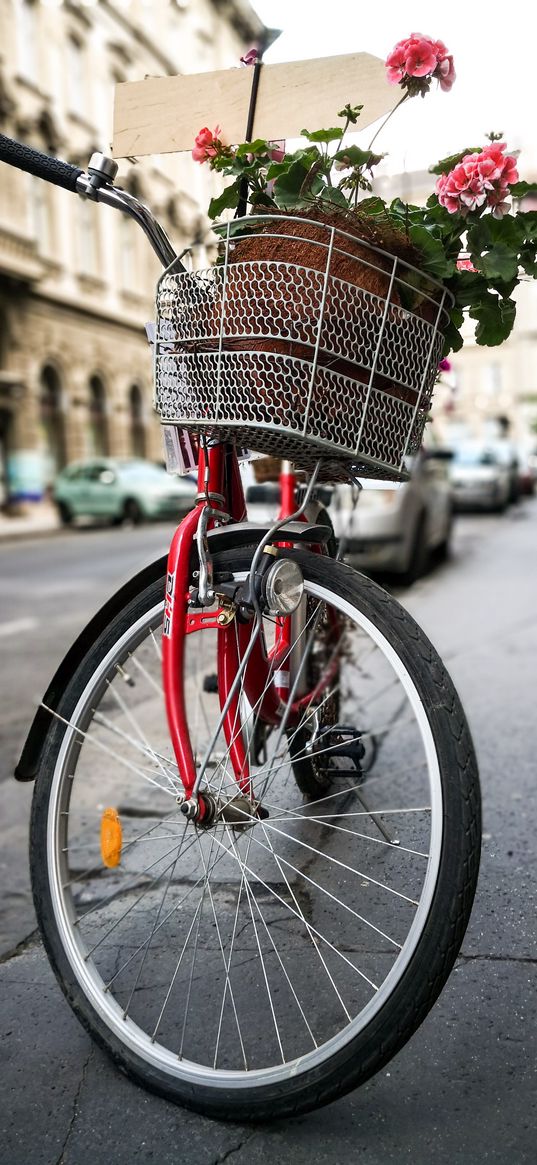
pixel 261 969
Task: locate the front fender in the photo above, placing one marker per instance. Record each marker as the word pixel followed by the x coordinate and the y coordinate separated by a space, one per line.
pixel 224 538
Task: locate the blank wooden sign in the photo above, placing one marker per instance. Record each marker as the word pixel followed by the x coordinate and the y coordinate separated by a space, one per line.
pixel 162 115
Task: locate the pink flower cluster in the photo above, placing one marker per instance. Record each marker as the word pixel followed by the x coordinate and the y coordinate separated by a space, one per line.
pixel 479 180
pixel 420 57
pixel 207 144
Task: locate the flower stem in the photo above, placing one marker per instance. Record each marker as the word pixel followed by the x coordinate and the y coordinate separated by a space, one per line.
pixel 386 119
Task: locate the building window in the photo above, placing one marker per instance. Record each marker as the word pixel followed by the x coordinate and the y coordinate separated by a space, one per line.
pixel 41 214
pixel 127 253
pixel 88 241
pixel 98 426
pixel 27 13
pixel 75 75
pixel 137 423
pixel 51 423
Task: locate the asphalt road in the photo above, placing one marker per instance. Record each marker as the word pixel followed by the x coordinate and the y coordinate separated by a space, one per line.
pixel 464 1088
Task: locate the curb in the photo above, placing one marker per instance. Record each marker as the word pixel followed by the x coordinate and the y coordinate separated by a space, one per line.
pixel 7 536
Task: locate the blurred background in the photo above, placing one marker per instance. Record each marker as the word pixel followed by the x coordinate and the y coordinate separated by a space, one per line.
pixel 85 501
pixel 76 281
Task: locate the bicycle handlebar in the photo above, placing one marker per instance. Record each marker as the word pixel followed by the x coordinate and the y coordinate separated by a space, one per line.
pixel 79 182
pixel 40 165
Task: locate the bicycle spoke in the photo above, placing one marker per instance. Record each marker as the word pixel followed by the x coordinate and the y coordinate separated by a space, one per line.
pixel 110 752
pixel 259 935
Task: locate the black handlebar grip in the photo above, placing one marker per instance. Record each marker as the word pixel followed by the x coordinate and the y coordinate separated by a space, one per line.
pixel 41 165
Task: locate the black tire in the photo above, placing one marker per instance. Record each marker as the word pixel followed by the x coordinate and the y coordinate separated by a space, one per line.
pixel 132 512
pixel 443 551
pixel 419 555
pixel 433 953
pixel 65 514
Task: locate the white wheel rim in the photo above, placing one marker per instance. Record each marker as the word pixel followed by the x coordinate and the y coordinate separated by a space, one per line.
pixel 132 1036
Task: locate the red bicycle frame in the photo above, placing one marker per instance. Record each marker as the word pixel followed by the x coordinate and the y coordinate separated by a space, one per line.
pixel 266 684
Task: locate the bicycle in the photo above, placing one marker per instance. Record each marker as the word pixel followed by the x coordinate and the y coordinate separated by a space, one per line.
pixel 256 822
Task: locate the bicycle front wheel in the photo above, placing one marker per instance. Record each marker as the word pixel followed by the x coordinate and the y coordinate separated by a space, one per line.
pixel 264 967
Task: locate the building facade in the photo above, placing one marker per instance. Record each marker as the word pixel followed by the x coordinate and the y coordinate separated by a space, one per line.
pixel 77 280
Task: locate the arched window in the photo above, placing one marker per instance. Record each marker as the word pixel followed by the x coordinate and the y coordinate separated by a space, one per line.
pixel 51 423
pixel 137 423
pixel 98 426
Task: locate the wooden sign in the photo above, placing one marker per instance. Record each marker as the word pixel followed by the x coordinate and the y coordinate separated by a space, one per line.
pixel 162 115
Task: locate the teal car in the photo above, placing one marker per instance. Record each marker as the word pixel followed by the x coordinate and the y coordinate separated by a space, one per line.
pixel 120 490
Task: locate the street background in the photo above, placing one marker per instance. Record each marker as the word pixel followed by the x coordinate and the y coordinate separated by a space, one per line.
pixel 76 289
pixel 464 1088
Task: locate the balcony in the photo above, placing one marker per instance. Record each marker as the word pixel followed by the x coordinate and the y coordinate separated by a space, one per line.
pixel 19 258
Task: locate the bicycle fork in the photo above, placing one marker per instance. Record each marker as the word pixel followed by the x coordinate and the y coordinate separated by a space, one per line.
pixel 239 644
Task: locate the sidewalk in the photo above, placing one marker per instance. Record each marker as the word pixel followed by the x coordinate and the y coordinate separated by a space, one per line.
pixel 42 519
pixel 462 1090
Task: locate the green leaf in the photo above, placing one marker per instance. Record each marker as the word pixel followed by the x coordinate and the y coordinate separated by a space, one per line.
pixel 528 260
pixel 488 232
pixel 433 254
pixel 521 189
pixel 259 146
pixel 527 221
pixel 288 187
pixel 495 318
pixel 501 262
pixel 373 206
pixel 333 195
pixel 322 135
pixel 468 288
pixel 313 182
pixel 355 156
pixel 453 340
pixel 447 164
pixel 277 168
pixel 228 199
pixel 259 198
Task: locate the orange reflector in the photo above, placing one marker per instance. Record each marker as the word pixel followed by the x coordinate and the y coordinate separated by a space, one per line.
pixel 111 838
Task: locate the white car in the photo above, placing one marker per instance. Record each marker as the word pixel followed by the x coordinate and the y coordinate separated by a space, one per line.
pixel 395 528
pixel 481 477
pixel 384 526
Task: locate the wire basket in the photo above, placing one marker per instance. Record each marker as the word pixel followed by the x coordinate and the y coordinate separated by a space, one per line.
pixel 302 342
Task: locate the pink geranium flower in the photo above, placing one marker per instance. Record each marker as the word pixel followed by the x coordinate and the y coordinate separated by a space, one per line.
pixel 415 61
pixel 465 265
pixel 421 59
pixel 207 144
pixel 479 180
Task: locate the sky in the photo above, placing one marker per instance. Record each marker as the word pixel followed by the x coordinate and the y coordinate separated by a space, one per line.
pixel 494 60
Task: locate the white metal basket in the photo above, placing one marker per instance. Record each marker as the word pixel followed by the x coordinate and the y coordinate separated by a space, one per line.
pixel 334 357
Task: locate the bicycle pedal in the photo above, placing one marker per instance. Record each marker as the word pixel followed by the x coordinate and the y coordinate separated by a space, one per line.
pixel 341 740
pixel 210 683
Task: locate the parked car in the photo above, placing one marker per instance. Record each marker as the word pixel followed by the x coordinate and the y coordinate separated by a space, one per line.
pixel 119 490
pixel 481 477
pixel 390 528
pixel 396 528
pixel 527 470
pixel 507 452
